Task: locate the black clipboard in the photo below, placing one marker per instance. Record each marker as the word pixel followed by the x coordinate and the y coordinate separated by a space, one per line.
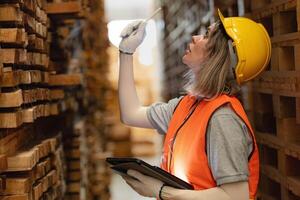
pixel 121 165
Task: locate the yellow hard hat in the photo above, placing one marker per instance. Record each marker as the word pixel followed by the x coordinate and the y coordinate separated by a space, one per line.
pixel 252 45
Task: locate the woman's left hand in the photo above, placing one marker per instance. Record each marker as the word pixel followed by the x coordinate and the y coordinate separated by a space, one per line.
pixel 144 185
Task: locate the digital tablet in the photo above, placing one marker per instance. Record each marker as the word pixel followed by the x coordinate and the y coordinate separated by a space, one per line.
pixel 121 165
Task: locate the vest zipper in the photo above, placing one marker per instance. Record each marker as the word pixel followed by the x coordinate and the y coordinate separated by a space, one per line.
pixel 192 109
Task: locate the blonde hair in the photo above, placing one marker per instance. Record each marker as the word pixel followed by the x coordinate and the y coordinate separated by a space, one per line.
pixel 214 76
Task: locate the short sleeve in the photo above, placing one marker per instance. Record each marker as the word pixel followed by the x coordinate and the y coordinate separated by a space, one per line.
pixel 159 114
pixel 228 147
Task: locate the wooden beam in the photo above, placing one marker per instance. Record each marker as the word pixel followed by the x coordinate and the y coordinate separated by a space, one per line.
pixel 11 120
pixel 63 7
pixel 3 163
pixel 10 13
pixel 17 186
pixel 13 35
pixel 73 187
pixel 65 79
pixel 23 161
pixel 29 115
pixel 17 197
pixel 56 94
pixel 26 159
pixel 13 56
pixel 11 99
pixel 12 78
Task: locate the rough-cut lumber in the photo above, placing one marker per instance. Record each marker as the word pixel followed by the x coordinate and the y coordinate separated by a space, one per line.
pixel 14 36
pixel 63 7
pixel 293 183
pixel 11 78
pixel 36 43
pixel 17 186
pixel 11 120
pixel 19 97
pixel 26 159
pixel 13 56
pixel 74 176
pixel 11 99
pixel 73 187
pixel 65 79
pixel 15 139
pixel 10 13
pixel 23 161
pixel 73 153
pixel 56 94
pixel 17 197
pixel 3 163
pixel 28 115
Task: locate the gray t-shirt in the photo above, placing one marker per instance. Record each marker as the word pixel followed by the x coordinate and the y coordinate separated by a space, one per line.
pixel 228 141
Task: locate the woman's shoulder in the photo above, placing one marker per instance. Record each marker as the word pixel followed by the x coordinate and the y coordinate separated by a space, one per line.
pixel 226 111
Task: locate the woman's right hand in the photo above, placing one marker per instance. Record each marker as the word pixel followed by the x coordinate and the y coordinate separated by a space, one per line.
pixel 132 36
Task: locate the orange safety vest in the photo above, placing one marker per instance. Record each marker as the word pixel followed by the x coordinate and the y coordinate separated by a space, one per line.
pixel 185 143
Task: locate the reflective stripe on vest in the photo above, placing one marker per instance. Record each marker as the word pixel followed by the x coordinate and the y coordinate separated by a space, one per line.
pixel 185 143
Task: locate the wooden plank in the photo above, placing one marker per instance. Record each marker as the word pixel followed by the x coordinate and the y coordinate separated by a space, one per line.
pixel 73 164
pixel 10 13
pixel 279 83
pixel 12 78
pixel 37 191
pixel 3 163
pixel 39 59
pixel 22 161
pixel 293 183
pixel 14 139
pixel 29 115
pixel 269 140
pixel 34 95
pixel 11 99
pixel 11 120
pixel 56 94
pixel 73 153
pixel 26 159
pixel 19 97
pixel 65 79
pixel 13 56
pixel 288 39
pixel 14 36
pixel 63 8
pixel 73 187
pixel 30 6
pixel 17 197
pixel 36 43
pixel 74 175
pixel 293 150
pixel 17 186
pixel 274 7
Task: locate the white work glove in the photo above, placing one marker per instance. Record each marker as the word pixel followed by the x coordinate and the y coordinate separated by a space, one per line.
pixel 144 185
pixel 132 36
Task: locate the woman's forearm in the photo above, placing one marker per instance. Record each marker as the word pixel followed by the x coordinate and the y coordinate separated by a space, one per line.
pixel 131 110
pixel 209 194
pixel 232 191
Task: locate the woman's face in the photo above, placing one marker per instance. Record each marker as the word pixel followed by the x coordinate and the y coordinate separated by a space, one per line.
pixel 196 51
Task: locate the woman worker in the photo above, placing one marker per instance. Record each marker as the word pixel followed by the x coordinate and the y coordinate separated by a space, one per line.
pixel 209 141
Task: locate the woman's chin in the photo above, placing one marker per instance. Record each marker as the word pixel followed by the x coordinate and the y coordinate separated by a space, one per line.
pixel 184 60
